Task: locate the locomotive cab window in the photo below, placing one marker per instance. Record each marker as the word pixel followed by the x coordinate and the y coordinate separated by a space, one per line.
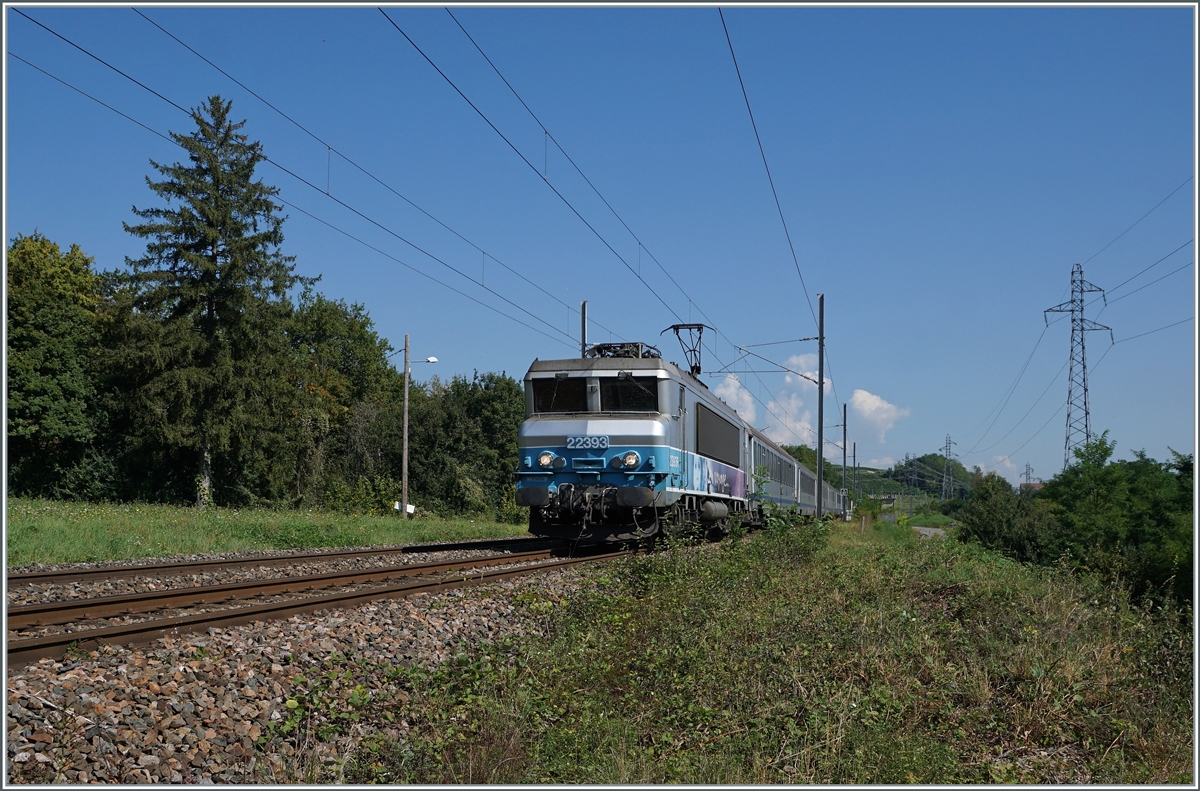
pixel 629 394
pixel 565 394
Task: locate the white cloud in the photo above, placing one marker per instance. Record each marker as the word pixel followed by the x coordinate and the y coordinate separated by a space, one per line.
pixel 877 412
pixel 791 423
pixel 737 396
pixel 1004 466
pixel 806 364
pixel 887 462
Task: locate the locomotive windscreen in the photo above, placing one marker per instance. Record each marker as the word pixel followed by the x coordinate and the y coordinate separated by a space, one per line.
pixel 635 394
pixel 716 437
pixel 568 394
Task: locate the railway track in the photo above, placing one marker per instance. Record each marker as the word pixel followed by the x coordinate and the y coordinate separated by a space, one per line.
pixel 201 566
pixel 24 651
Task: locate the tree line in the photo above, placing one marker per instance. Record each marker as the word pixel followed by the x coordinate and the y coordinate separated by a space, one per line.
pixel 1129 520
pixel 207 371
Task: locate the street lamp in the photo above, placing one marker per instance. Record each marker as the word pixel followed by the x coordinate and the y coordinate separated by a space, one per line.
pixel 404 465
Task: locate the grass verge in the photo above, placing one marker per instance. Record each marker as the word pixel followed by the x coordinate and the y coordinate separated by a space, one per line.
pixel 51 531
pixel 930 520
pixel 871 658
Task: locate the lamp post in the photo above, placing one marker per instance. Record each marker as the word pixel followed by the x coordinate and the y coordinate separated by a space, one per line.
pixel 404 464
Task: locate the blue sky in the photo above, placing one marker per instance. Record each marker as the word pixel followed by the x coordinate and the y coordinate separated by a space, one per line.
pixel 940 170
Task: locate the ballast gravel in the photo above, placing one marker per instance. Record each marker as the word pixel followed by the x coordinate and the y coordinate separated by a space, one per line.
pixel 216 707
pixel 36 593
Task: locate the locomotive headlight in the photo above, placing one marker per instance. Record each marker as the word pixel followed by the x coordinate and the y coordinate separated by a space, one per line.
pixel 545 459
pixel 631 459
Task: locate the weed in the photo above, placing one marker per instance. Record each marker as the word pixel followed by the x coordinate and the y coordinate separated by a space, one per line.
pixel 811 654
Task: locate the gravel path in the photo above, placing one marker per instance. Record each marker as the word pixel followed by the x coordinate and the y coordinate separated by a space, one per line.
pixel 225 706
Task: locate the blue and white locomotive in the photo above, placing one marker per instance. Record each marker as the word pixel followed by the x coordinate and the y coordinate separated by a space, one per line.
pixel 622 445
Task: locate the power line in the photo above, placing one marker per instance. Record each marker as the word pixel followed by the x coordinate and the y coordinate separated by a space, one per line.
pixel 364 171
pixel 1004 399
pixel 1152 282
pixel 1035 403
pixel 641 245
pixel 1079 425
pixel 1147 269
pixel 774 192
pixel 1123 282
pixel 546 181
pixel 1094 367
pixel 423 274
pixel 1144 216
pixel 763 153
pixel 1130 228
pixel 99 60
pixel 532 167
pixel 316 188
pixel 297 208
pixel 563 151
pixel 1151 332
pixel 1012 388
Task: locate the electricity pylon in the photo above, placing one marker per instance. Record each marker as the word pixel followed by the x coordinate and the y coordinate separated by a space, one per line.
pixel 1079 422
pixel 947 472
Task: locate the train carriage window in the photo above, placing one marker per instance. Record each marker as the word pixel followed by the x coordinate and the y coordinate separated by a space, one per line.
pixel 808 485
pixel 565 394
pixel 716 437
pixel 629 394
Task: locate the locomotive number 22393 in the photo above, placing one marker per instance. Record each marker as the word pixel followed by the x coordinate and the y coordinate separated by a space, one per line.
pixel 581 443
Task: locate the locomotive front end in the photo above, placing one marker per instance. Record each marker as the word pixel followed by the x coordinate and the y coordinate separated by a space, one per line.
pixel 595 448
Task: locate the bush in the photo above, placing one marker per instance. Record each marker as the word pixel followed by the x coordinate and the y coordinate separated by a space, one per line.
pixel 998 518
pixel 375 495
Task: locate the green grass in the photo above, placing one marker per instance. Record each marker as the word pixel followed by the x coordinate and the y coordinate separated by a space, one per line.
pixel 50 531
pixel 930 520
pixel 876 659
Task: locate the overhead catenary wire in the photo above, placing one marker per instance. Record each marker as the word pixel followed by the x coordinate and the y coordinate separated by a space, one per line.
pixel 292 205
pixel 774 192
pixel 318 189
pixel 767 167
pixel 331 148
pixel 547 135
pixel 309 184
pixel 532 167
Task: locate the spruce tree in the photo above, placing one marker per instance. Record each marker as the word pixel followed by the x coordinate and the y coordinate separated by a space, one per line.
pixel 212 288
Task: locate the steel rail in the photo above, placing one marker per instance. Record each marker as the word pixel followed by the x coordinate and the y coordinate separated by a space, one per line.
pixel 71 610
pixel 189 567
pixel 23 652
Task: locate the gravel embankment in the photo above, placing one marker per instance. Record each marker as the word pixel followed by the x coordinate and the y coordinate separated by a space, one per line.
pixel 87 589
pixel 214 707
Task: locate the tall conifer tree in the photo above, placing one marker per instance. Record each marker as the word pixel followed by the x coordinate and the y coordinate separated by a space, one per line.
pixel 213 287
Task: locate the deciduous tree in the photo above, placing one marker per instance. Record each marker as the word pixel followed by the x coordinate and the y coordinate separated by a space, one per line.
pixel 52 335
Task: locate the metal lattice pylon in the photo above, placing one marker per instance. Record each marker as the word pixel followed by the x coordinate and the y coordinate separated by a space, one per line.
pixel 1079 422
pixel 947 471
